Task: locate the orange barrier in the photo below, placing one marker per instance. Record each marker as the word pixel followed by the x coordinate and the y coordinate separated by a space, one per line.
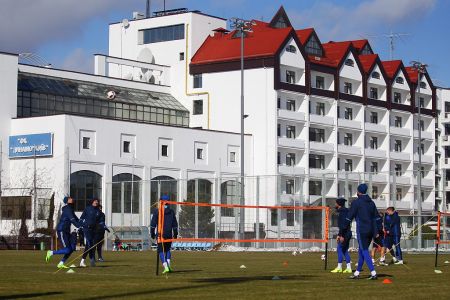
pixel 438 231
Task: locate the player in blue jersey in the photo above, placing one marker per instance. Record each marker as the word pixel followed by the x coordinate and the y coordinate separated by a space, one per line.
pixel 343 238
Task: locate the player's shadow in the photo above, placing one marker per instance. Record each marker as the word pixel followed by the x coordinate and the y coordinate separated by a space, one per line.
pixel 31 295
pixel 251 278
pixel 109 266
pixel 384 275
pixel 186 271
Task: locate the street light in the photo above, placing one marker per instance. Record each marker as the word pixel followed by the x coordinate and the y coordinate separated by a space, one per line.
pixel 242 26
pixel 421 69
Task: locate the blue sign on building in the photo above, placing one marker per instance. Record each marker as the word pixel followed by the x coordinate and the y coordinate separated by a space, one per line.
pixel 31 145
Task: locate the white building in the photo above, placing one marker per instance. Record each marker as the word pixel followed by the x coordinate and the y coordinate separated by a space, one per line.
pixel 322 117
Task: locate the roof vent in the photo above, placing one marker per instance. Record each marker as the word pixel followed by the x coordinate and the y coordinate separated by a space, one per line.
pixel 138 15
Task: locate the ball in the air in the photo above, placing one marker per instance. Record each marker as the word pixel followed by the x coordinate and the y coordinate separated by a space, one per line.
pixel 322 257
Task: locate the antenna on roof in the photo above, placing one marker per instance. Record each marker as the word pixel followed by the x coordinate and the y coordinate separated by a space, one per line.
pixel 147 9
pixel 392 37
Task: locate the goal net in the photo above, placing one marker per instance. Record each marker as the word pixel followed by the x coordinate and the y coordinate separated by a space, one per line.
pixel 246 224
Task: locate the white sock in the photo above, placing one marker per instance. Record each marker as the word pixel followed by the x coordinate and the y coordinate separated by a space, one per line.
pixel 373 260
pixel 373 273
pixel 168 262
pixel 82 260
pixel 165 265
pixel 349 265
pixel 382 258
pixel 356 273
pixel 339 266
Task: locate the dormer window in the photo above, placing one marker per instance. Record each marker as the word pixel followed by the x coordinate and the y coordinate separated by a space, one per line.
pixel 376 75
pixel 291 48
pixel 423 85
pixel 349 62
pixel 366 50
pixel 399 80
pixel 313 47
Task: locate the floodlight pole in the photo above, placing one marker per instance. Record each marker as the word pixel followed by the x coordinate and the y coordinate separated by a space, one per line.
pixel 242 26
pixel 420 67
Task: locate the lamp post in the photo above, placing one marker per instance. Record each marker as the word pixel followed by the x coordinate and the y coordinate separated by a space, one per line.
pixel 242 26
pixel 421 69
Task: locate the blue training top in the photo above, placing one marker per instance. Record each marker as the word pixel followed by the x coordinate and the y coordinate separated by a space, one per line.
pixel 170 227
pixel 67 218
pixel 393 224
pixel 344 226
pixel 365 212
pixel 90 217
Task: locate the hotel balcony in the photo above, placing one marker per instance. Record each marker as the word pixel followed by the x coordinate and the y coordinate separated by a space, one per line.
pixel 350 150
pixel 352 176
pixel 291 115
pixel 400 131
pixel 402 180
pixel 321 120
pixel 377 128
pixel 349 124
pixel 426 159
pixel 378 178
pixel 375 153
pixel 291 143
pixel 290 170
pixel 321 147
pixel 404 156
pixel 426 182
pixel 425 135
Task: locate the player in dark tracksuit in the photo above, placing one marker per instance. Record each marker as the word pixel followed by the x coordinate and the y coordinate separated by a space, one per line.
pixel 67 218
pixel 100 229
pixel 170 231
pixel 343 238
pixel 393 232
pixel 89 219
pixel 365 212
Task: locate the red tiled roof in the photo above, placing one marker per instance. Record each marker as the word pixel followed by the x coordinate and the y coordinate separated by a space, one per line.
pixel 333 54
pixel 359 44
pixel 367 61
pixel 391 67
pixel 412 74
pixel 264 41
pixel 304 34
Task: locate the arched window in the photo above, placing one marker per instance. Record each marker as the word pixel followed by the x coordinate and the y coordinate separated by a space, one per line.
pixel 127 186
pixel 204 190
pixel 169 186
pixel 399 80
pixel 230 194
pixel 349 62
pixel 376 75
pixel 85 186
pixel 423 85
pixel 291 48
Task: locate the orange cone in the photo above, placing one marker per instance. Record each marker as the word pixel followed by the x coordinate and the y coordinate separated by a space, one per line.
pixel 285 264
pixel 387 281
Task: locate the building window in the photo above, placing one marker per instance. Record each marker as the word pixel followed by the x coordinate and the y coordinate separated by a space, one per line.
pixel 348 165
pixel 315 188
pixel 317 135
pixel 399 80
pixel 291 49
pixel 398 121
pixel 290 186
pixel 278 103
pixel 181 55
pixel 198 81
pixel 423 85
pixel 313 47
pixel 376 75
pixel 278 130
pixel 348 88
pixel 373 142
pixel 421 102
pixel 398 194
pixel 290 217
pixel 398 170
pixel 398 146
pixel 422 172
pixel 199 153
pixel 86 142
pixel 232 156
pixel 290 77
pixel 320 82
pixel 84 187
pixel 348 113
pixel 127 186
pixel 165 150
pixel 421 149
pixel 273 217
pixel 16 207
pixel 348 139
pixel 290 159
pixel 290 105
pixel 349 62
pixel 126 146
pixel 290 132
pixel 373 93
pixel 230 192
pixel 317 161
pixel 397 97
pixel 421 125
pixel 374 117
pixel 374 192
pixel 374 167
pixel 197 107
pixel 163 34
pixel 278 158
pixel 320 108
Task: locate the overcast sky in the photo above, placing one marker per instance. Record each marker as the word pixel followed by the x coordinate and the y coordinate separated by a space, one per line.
pixel 67 32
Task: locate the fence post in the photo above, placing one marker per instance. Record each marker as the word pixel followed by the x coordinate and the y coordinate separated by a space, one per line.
pixel 279 179
pixel 196 209
pixel 323 204
pixel 257 211
pixel 122 204
pixel 300 217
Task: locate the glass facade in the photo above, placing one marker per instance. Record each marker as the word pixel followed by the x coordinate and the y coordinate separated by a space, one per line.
pixel 45 96
pixel 125 181
pixel 163 34
pixel 84 187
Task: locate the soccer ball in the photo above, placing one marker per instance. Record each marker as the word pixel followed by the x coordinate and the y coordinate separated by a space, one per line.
pixel 111 95
pixel 322 257
pixel 294 253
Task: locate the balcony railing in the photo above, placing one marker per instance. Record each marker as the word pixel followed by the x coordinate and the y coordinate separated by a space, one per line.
pixel 350 150
pixel 321 120
pixel 291 143
pixel 291 115
pixel 404 156
pixel 400 131
pixel 321 147
pixel 349 124
pixel 378 128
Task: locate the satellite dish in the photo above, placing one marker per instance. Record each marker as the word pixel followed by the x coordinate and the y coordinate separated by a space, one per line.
pixel 146 56
pixel 125 23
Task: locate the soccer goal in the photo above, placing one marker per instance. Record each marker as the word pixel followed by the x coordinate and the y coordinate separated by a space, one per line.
pixel 206 225
pixel 442 232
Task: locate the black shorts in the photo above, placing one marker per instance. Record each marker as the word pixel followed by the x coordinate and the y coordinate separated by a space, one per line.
pixel 166 247
pixel 378 242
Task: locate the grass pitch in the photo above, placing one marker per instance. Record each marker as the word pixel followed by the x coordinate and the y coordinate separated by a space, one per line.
pixel 217 275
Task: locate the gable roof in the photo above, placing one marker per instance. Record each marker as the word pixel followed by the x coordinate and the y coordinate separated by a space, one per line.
pixel 391 67
pixel 334 53
pixel 368 61
pixel 412 74
pixel 304 34
pixel 281 14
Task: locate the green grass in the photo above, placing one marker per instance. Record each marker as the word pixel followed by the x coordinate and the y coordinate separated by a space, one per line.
pixel 216 275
